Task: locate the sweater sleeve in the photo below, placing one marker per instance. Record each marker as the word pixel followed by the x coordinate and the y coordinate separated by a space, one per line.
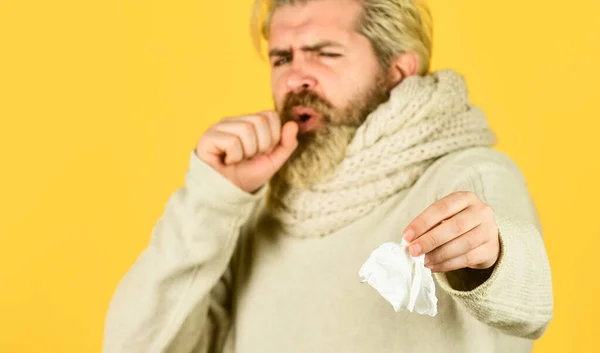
pixel 175 297
pixel 516 297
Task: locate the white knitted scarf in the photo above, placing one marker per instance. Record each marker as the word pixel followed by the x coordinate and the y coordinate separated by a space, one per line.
pixel 424 119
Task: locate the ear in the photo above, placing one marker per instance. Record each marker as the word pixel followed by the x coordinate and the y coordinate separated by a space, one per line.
pixel 404 65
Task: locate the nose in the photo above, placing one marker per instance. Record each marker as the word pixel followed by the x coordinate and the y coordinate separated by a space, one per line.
pixel 298 81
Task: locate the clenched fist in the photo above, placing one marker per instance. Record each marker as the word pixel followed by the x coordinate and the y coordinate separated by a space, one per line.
pixel 248 150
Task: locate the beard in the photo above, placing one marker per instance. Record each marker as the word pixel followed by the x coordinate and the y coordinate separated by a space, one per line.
pixel 321 150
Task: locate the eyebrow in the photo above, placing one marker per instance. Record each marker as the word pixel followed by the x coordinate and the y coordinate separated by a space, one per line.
pixel 308 48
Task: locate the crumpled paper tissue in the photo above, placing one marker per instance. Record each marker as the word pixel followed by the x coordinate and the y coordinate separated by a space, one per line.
pixel 401 279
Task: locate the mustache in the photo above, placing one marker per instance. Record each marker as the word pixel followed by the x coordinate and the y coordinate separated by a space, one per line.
pixel 306 99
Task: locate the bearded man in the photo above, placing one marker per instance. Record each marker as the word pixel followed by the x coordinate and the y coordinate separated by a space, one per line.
pixel 259 251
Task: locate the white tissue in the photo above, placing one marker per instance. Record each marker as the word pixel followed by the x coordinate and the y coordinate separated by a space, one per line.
pixel 401 279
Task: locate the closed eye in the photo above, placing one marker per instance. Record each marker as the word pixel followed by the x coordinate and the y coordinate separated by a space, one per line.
pixel 330 55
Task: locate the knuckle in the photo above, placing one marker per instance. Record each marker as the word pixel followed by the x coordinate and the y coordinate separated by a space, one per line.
pixel 462 194
pixel 264 147
pixel 248 138
pixel 432 243
pixel 487 210
pixel 438 256
pixel 224 120
pixel 213 127
pixel 420 224
pixel 471 259
pixel 471 239
pixel 258 119
pixel 267 116
pixel 442 206
pixel 468 195
pixel 248 130
pixel 275 120
pixel 263 119
pixel 235 142
pixel 476 233
pixel 460 225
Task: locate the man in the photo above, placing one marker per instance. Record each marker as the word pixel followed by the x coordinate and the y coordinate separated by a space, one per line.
pixel 259 252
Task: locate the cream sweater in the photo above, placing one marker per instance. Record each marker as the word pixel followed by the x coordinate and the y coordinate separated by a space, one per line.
pixel 218 277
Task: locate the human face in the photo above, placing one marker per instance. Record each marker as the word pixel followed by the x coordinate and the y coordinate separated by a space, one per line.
pixel 314 46
pixel 326 77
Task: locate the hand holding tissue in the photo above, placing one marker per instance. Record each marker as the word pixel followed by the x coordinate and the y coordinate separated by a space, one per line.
pixel 401 279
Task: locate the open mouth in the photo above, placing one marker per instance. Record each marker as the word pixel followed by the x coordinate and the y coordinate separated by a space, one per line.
pixel 307 118
pixel 304 117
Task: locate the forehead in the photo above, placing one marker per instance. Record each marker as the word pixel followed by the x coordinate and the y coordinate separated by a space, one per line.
pixel 314 20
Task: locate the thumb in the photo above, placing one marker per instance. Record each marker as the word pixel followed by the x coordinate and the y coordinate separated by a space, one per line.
pixel 287 144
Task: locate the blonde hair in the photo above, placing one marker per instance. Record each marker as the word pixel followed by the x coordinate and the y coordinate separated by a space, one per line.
pixel 392 26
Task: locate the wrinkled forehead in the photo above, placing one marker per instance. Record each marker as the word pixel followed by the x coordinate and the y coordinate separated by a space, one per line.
pixel 318 20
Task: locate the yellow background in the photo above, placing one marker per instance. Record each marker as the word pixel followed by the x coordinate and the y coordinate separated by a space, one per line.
pixel 102 101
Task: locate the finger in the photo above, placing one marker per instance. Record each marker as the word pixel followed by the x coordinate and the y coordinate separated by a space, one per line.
pixel 244 130
pixel 274 125
pixel 227 147
pixel 447 230
pixel 437 212
pixel 471 259
pixel 263 131
pixel 286 147
pixel 457 247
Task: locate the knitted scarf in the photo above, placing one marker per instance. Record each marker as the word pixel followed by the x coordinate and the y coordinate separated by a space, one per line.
pixel 425 118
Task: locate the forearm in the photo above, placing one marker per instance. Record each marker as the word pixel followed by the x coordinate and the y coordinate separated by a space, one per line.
pixel 167 292
pixel 516 295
